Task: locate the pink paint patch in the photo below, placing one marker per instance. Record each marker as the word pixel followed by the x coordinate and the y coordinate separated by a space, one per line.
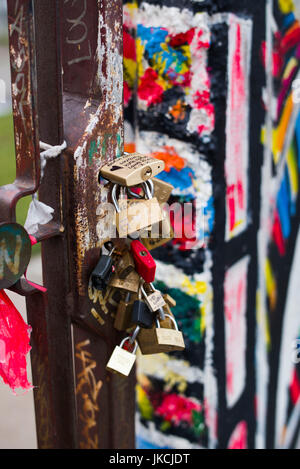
pixel 295 388
pixel 235 305
pixel 2 351
pixel 238 439
pixel 14 337
pixel 237 129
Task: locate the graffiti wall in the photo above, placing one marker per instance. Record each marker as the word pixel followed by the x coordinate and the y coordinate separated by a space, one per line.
pixel 213 89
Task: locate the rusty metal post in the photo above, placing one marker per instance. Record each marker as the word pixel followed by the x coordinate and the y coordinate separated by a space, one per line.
pixel 78 404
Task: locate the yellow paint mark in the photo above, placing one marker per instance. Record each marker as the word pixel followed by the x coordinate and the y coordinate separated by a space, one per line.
pixel 129 71
pixel 286 6
pixel 197 288
pixel 281 130
pixel 262 321
pixel 140 49
pixel 293 171
pixel 270 284
pixel 292 63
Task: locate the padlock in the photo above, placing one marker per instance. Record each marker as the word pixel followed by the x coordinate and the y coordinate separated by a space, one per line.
pixel 169 300
pixel 141 313
pixel 122 361
pixel 131 283
pixel 144 262
pixel 103 271
pixel 162 190
pixel 170 339
pixel 133 215
pixel 159 234
pixel 123 319
pixel 154 300
pixel 161 338
pixel 125 265
pixel 132 169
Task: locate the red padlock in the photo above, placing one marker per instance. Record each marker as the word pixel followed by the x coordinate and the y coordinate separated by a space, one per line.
pixel 144 263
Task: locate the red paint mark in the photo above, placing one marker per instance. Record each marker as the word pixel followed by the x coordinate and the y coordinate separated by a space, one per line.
pixel 231 206
pixel 129 46
pixel 183 221
pixel 201 98
pixel 278 235
pixel 182 38
pixel 127 93
pixel 295 388
pixel 177 409
pixel 201 44
pixel 290 39
pixel 238 439
pixel 179 79
pixel 277 58
pixel 15 334
pixel 148 89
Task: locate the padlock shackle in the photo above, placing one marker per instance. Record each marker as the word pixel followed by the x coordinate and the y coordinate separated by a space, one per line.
pixel 148 187
pixel 114 197
pixel 172 319
pixel 128 339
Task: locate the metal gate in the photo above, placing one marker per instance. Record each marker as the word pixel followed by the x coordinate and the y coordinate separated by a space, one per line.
pixel 66 67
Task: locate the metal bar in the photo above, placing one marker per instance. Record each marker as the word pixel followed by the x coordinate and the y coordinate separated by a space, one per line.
pixel 23 77
pixel 93 120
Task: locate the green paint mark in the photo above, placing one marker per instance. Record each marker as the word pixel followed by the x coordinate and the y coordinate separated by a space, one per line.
pixel 119 148
pixel 94 147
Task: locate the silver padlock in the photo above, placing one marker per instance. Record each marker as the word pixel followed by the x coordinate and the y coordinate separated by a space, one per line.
pixel 122 361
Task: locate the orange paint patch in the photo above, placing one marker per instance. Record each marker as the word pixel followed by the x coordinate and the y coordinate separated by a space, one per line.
pixel 170 157
pixel 178 111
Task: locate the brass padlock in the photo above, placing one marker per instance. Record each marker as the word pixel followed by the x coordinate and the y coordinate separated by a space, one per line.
pixel 162 190
pixel 125 265
pixel 169 300
pixel 122 361
pixel 131 283
pixel 124 313
pixel 132 169
pixel 159 234
pixel 161 338
pixel 133 215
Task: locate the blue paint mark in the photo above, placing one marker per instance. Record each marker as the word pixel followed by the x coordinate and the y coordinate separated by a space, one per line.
pixel 209 211
pixel 172 59
pixel 288 20
pixel 297 131
pixel 181 180
pixel 153 37
pixel 143 444
pixel 283 209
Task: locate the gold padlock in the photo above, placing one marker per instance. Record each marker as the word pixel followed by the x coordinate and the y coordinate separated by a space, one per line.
pixel 133 215
pixel 124 313
pixel 131 283
pixel 162 190
pixel 122 361
pixel 132 169
pixel 161 338
pixel 125 265
pixel 159 234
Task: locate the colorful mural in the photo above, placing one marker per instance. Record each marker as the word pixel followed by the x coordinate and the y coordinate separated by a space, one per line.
pixel 211 88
